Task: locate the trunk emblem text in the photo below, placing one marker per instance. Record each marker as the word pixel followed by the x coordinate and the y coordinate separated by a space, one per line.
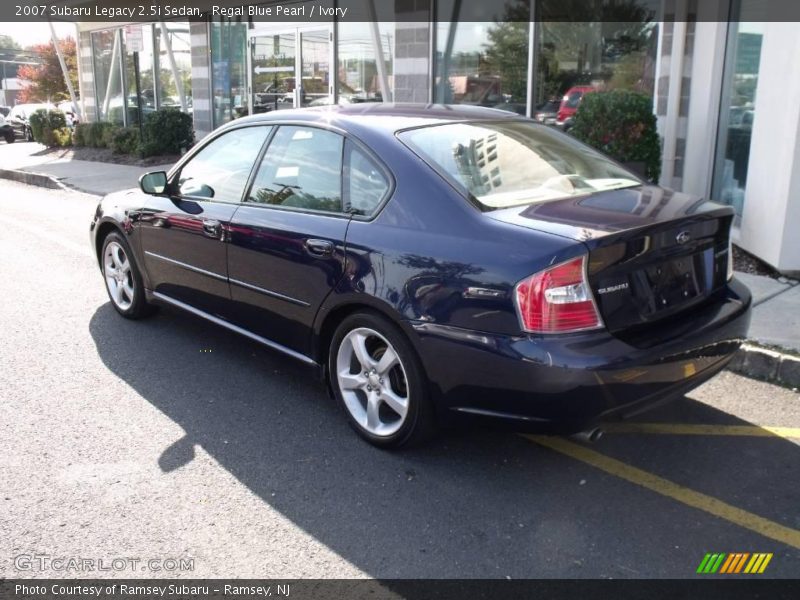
pixel 683 237
pixel 613 288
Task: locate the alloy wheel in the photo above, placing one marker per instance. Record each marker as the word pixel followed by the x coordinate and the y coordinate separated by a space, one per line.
pixel 372 381
pixel 118 274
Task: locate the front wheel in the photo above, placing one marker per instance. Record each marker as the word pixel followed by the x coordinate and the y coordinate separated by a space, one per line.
pixel 377 378
pixel 29 134
pixel 123 278
pixel 10 138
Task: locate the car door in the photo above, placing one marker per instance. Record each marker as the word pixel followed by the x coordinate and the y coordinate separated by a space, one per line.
pixel 286 249
pixel 184 232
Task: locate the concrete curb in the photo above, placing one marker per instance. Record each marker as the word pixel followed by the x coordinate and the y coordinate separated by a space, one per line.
pixel 31 178
pixel 767 365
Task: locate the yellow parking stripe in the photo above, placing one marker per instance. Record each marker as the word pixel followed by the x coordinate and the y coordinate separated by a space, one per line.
pixel 689 429
pixel 718 508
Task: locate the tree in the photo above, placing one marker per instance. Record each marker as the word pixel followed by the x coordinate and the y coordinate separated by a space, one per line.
pixel 45 82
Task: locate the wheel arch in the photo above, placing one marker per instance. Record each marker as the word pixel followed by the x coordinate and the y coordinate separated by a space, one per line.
pixel 330 317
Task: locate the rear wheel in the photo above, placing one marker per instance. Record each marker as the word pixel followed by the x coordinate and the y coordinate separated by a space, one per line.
pixel 378 380
pixel 123 278
pixel 29 134
pixel 10 137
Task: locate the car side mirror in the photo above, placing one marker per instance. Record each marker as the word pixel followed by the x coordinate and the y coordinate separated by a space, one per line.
pixel 154 183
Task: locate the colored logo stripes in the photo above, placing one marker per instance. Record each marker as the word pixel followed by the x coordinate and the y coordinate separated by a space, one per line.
pixel 736 562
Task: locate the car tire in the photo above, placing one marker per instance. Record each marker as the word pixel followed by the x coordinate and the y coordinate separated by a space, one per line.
pixel 386 402
pixel 10 138
pixel 29 134
pixel 123 279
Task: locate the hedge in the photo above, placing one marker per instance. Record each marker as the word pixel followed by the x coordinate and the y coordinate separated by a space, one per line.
pixel 166 132
pixel 621 124
pixel 49 127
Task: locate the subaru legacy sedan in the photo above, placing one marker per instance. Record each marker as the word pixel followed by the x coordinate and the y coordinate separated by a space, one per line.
pixel 435 264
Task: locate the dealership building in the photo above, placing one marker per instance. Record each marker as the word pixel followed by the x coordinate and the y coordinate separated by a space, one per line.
pixel 720 73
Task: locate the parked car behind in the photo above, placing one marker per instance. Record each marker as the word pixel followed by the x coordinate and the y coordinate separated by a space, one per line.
pixel 569 105
pixel 19 119
pixel 435 263
pixel 547 112
pixel 6 131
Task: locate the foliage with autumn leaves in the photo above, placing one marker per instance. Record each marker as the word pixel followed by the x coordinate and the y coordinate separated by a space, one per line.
pixel 621 124
pixel 45 82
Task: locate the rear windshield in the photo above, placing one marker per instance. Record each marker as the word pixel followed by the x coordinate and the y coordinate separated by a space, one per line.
pixel 514 163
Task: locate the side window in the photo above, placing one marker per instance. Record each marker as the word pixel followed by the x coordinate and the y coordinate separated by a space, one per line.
pixel 366 183
pixel 302 168
pixel 220 170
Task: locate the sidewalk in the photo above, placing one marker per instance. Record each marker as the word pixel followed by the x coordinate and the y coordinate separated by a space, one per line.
pixel 91 177
pixel 772 351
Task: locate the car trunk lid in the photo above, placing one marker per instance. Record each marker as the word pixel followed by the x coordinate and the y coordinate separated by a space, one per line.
pixel 653 253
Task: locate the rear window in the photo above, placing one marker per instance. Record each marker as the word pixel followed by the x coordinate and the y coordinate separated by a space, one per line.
pixel 515 163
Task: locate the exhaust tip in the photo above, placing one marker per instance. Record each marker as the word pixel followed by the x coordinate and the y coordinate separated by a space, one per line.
pixel 589 436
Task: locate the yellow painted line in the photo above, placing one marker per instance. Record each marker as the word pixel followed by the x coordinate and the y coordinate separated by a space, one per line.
pixel 665 487
pixel 690 429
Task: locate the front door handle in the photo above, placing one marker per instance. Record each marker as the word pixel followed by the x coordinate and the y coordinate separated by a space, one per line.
pixel 319 247
pixel 212 228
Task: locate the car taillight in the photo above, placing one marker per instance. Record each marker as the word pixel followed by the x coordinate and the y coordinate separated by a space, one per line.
pixel 557 300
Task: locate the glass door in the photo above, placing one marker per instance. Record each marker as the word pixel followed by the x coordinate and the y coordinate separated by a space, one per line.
pixel 273 60
pixel 315 66
pixel 290 69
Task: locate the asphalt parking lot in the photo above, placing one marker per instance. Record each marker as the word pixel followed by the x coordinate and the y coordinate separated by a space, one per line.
pixel 173 439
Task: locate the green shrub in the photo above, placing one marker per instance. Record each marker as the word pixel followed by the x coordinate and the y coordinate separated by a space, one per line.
pixel 62 136
pixel 79 134
pixel 95 136
pixel 44 125
pixel 37 122
pixel 124 140
pixel 621 124
pixel 167 131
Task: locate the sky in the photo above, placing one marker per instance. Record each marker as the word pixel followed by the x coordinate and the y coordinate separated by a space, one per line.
pixel 27 34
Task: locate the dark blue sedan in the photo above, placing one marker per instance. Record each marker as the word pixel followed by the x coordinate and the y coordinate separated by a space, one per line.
pixel 435 262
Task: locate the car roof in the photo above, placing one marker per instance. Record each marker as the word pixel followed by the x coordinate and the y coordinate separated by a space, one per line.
pixel 383 116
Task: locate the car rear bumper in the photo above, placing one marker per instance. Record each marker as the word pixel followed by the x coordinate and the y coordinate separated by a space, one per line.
pixel 567 383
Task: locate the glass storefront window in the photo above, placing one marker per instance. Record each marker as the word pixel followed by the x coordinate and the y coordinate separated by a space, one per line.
pixel 107 52
pixel 573 58
pixel 146 78
pixel 228 70
pixel 737 110
pixel 174 56
pixel 360 46
pixel 482 54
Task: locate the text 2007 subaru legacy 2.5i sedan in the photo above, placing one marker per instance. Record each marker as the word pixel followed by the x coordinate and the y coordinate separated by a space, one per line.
pixel 435 262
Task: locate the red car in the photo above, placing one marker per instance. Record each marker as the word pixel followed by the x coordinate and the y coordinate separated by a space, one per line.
pixel 569 105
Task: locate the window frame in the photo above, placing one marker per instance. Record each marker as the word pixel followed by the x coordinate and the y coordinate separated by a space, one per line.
pixel 345 174
pixel 347 152
pixel 174 174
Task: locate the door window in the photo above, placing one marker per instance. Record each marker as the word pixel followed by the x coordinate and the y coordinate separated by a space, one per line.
pixel 302 168
pixel 221 169
pixel 366 183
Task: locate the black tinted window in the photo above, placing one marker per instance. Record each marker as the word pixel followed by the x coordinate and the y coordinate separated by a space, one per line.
pixel 302 168
pixel 221 169
pixel 366 184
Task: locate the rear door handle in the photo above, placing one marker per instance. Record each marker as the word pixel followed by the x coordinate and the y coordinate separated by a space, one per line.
pixel 212 228
pixel 319 247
